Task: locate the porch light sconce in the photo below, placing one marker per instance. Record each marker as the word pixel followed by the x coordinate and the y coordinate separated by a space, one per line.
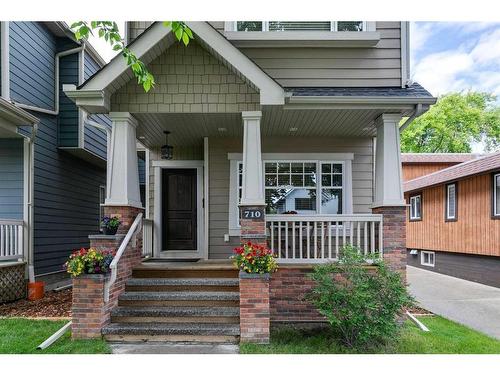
pixel 167 151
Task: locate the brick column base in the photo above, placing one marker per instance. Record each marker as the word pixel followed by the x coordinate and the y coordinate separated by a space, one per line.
pixel 394 231
pixel 253 226
pixel 89 311
pixel 254 308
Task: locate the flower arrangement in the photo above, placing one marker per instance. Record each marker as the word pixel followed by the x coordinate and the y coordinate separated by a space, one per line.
pixel 253 258
pixel 110 225
pixel 89 261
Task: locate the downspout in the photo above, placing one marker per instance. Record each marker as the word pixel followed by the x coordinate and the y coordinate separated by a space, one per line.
pixel 4 59
pixel 419 109
pixel 55 111
pixel 31 218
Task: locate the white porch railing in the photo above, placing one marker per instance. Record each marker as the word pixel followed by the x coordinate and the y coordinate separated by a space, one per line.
pixel 319 238
pixel 11 239
pixel 147 237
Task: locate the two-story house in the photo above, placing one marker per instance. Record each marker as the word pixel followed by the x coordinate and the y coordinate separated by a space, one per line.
pixel 52 156
pixel 265 118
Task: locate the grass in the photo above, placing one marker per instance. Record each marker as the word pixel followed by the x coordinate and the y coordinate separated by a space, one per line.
pixel 22 336
pixel 445 337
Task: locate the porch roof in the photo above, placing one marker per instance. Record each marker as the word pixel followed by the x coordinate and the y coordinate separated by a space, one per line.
pixel 94 94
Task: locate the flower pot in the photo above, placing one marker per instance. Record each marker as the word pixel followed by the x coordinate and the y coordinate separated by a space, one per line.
pixel 35 290
pixel 109 231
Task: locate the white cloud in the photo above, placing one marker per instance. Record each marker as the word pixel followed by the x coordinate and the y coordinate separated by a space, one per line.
pixel 474 65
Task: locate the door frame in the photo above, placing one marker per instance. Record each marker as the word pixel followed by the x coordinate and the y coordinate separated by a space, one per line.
pixel 158 252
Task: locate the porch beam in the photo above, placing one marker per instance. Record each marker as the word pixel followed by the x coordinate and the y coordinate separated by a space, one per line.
pixel 388 182
pixel 253 183
pixel 123 176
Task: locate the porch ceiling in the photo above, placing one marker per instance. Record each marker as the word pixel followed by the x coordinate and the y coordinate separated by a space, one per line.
pixel 190 128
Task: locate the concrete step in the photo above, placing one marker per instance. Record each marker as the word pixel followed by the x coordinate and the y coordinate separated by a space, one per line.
pixel 179 298
pixel 184 284
pixel 176 314
pixel 169 332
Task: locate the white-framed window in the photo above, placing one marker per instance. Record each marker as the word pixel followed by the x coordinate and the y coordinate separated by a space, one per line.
pixel 427 258
pixel 294 185
pixel 300 26
pixel 416 207
pixel 451 201
pixel 496 196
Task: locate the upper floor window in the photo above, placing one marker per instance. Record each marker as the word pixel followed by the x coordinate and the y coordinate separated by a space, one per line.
pixel 300 26
pixel 496 196
pixel 416 207
pixel 451 202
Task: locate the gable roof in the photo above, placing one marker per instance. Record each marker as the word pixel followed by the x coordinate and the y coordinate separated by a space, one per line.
pixel 477 166
pixel 418 158
pixel 94 94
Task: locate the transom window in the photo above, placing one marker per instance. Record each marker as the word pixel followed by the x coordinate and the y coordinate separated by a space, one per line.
pixel 300 26
pixel 496 195
pixel 451 202
pixel 416 207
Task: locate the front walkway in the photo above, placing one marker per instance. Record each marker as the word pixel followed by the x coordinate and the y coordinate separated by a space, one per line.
pixel 472 304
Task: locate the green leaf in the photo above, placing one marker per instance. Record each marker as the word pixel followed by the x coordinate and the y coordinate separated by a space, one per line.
pixel 178 33
pixel 185 39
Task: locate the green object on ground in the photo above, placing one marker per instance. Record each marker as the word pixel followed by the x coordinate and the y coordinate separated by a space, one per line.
pixel 445 337
pixel 22 336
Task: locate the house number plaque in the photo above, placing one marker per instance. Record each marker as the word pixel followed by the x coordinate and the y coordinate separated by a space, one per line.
pixel 253 213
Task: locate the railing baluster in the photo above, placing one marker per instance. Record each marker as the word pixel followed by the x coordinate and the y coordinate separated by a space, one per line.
pixel 366 237
pixel 7 240
pixel 322 240
pixel 343 233
pixel 315 240
pixel 372 235
pixel 279 239
pixel 358 242
pixel 300 239
pixel 380 239
pixel 286 239
pixel 271 228
pixel 308 238
pixel 329 240
pixel 337 239
pixel 351 232
pixel 293 239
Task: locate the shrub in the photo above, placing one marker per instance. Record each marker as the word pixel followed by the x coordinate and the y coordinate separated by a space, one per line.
pixel 253 258
pixel 89 261
pixel 362 305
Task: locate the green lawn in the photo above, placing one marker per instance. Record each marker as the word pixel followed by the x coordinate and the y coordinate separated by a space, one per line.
pixel 445 337
pixel 20 336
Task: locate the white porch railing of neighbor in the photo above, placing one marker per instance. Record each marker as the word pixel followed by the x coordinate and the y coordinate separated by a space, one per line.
pixel 317 238
pixel 147 237
pixel 11 239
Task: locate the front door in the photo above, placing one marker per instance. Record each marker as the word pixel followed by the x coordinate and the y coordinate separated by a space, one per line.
pixel 179 211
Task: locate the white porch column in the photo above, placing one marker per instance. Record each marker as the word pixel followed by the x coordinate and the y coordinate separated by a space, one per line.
pixel 388 181
pixel 123 173
pixel 253 183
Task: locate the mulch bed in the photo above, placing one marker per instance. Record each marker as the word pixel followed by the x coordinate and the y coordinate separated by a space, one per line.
pixel 52 305
pixel 417 310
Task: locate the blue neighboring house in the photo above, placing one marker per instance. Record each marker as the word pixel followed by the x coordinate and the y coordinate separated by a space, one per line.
pixel 52 157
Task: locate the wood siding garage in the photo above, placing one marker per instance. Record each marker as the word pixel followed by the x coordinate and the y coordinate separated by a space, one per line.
pixel 474 232
pixel 411 171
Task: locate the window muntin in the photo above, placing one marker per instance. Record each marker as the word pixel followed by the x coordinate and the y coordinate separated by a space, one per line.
pixel 496 195
pixel 451 202
pixel 427 258
pixel 277 26
pixel 416 207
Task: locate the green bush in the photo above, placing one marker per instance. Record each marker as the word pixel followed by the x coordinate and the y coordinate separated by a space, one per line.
pixel 361 304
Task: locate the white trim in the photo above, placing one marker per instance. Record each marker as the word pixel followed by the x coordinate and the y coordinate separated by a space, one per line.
pixel 206 202
pixel 201 251
pixel 405 53
pixel 430 254
pixel 292 156
pixel 147 193
pixel 4 59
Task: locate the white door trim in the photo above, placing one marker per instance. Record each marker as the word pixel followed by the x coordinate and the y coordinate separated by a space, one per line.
pixel 157 240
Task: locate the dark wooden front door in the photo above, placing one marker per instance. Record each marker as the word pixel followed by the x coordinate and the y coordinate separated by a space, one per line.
pixel 179 205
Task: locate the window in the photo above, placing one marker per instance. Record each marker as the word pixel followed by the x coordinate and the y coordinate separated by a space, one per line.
pixel 416 207
pixel 496 196
pixel 427 258
pixel 451 202
pixel 102 199
pixel 305 187
pixel 300 26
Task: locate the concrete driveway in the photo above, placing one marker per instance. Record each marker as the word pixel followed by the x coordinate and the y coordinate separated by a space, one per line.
pixel 472 304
